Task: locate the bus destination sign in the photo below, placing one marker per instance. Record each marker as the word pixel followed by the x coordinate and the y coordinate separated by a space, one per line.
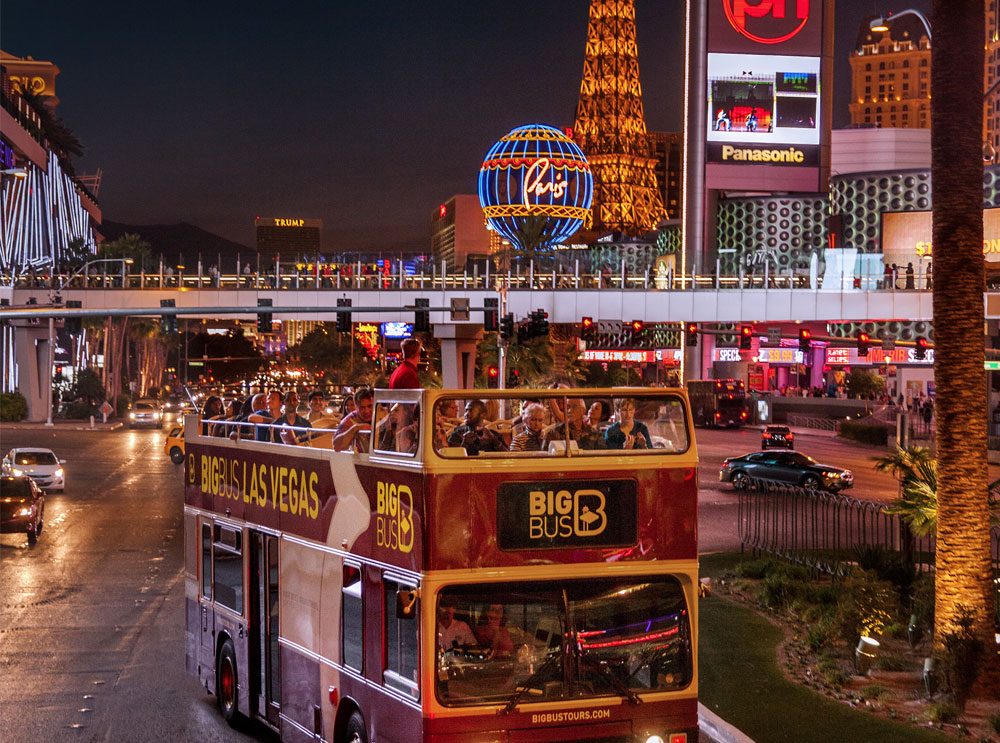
pixel 566 514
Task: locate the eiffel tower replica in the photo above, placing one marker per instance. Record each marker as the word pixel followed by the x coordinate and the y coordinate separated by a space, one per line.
pixel 610 125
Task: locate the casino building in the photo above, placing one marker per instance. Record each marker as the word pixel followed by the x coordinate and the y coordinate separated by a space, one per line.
pixel 287 236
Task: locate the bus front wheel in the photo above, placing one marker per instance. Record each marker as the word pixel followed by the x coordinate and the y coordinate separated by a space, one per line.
pixel 355 730
pixel 226 682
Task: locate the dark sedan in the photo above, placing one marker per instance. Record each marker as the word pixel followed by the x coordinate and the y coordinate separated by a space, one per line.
pixel 786 468
pixel 22 507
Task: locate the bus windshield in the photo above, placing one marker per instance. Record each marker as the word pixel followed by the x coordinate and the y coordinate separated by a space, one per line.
pixel 540 641
pixel 561 425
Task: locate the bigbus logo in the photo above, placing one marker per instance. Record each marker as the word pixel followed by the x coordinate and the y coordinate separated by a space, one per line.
pixel 394 516
pixel 781 14
pixel 566 514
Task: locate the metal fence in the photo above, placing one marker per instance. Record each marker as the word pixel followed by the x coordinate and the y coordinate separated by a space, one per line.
pixel 822 531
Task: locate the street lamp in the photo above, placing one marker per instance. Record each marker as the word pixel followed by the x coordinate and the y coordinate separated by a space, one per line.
pixel 881 23
pixel 52 326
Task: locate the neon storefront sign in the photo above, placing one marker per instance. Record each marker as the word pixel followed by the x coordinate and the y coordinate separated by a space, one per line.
pixel 738 10
pixel 534 184
pixel 632 357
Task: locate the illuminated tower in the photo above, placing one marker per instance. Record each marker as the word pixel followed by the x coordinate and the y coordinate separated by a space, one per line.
pixel 610 126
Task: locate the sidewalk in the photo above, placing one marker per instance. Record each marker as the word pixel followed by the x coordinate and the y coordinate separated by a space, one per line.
pixel 63 425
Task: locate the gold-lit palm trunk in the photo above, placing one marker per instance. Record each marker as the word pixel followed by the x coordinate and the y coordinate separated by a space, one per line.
pixel 963 574
pixel 610 125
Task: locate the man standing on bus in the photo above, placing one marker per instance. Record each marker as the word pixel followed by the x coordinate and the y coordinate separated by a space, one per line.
pixel 405 377
pixel 451 632
pixel 356 422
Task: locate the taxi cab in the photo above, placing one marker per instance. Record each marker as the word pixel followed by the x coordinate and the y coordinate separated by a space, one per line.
pixel 174 445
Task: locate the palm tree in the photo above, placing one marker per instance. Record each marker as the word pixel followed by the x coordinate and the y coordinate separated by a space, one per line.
pixel 916 471
pixel 963 570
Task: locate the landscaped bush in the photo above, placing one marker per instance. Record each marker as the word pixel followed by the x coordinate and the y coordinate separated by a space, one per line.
pixel 866 606
pixel 994 721
pixel 13 407
pixel 962 653
pixel 820 634
pixel 122 404
pixel 943 712
pixel 889 565
pixel 873 435
pixel 80 409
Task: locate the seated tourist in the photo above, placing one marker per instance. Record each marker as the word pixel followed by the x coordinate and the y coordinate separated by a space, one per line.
pixel 627 432
pixel 575 426
pixel 530 438
pixel 354 428
pixel 473 434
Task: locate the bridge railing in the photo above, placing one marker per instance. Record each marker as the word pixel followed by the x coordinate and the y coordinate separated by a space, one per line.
pixel 354 279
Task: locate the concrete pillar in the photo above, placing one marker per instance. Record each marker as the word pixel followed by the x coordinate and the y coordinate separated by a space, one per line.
pixel 458 354
pixel 31 352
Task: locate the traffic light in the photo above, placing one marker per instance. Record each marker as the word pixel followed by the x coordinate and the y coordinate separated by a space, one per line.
pixel 587 328
pixel 515 378
pixel 805 340
pixel 692 334
pixel 920 351
pixel 863 341
pixel 264 318
pixel 422 317
pixel 491 314
pixel 344 318
pixel 507 326
pixel 168 323
pixel 73 325
pixel 492 377
pixel 539 324
pixel 636 326
pixel 746 337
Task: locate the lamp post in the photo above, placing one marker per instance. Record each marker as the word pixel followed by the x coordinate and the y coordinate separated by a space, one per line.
pixel 52 327
pixel 881 22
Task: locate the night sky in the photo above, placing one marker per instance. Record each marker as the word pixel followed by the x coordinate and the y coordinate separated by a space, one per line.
pixel 365 115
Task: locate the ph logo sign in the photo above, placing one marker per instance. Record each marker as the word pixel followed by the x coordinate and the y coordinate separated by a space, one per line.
pixel 784 18
pixel 394 516
pixel 561 513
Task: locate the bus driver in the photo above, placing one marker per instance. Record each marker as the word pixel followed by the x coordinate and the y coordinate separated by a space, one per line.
pixel 451 632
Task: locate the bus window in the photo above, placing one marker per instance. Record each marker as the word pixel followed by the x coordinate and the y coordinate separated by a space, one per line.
pixel 227 564
pixel 206 560
pixel 615 646
pixel 562 426
pixel 402 643
pixel 352 623
pixel 397 427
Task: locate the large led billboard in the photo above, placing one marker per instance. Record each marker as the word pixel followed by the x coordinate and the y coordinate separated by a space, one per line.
pixel 765 119
pixel 906 237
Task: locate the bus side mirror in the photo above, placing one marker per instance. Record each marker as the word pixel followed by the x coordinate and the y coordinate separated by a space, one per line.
pixel 406 603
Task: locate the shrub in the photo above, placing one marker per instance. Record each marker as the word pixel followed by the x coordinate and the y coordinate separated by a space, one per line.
pixel 890 663
pixel 923 600
pixel 13 407
pixel 962 652
pixel 873 435
pixel 820 634
pixel 755 569
pixel 80 409
pixel 866 605
pixel 890 565
pixel 122 404
pixel 994 722
pixel 874 691
pixel 943 712
pixel 780 591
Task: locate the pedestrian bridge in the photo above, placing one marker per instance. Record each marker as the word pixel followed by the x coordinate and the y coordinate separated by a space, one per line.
pixel 702 302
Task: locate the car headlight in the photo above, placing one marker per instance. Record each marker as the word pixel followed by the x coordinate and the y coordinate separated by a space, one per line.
pixel 24 512
pixel 59 472
pixel 131 416
pixel 831 474
pixel 156 416
pixel 16 472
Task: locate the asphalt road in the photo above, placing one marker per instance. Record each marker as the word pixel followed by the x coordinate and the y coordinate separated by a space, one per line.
pixel 91 617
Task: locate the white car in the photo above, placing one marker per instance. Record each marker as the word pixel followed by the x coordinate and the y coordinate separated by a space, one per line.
pixel 145 413
pixel 41 465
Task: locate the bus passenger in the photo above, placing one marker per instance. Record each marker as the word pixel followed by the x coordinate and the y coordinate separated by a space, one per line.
pixel 317 410
pixel 211 411
pixel 405 377
pixel 491 631
pixel 530 439
pixel 355 423
pixel 596 414
pixel 627 432
pixel 445 419
pixel 451 632
pixel 473 434
pixel 270 415
pixel 291 417
pixel 577 428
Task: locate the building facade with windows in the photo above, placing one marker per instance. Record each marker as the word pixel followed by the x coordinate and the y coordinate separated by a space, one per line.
pixel 891 75
pixel 459 232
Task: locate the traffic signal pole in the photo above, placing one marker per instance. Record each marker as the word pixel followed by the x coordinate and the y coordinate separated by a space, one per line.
pixel 502 343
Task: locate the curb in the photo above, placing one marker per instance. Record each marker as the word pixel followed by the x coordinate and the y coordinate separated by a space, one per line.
pixel 81 426
pixel 718 729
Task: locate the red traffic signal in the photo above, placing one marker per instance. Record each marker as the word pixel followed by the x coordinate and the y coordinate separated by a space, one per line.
pixel 494 372
pixel 920 351
pixel 805 339
pixel 692 334
pixel 587 323
pixel 492 376
pixel 863 341
pixel 746 337
pixel 637 326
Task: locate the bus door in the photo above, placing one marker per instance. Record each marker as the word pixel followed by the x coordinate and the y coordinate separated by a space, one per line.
pixel 265 683
pixel 206 609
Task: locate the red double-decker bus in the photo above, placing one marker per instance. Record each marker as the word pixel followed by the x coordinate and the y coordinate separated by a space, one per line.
pixel 512 575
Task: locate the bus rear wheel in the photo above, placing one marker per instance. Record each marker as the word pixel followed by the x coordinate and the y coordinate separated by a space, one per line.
pixel 226 682
pixel 354 732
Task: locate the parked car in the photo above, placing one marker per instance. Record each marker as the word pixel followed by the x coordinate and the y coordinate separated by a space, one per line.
pixel 22 507
pixel 777 437
pixel 787 468
pixel 145 413
pixel 41 465
pixel 174 446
